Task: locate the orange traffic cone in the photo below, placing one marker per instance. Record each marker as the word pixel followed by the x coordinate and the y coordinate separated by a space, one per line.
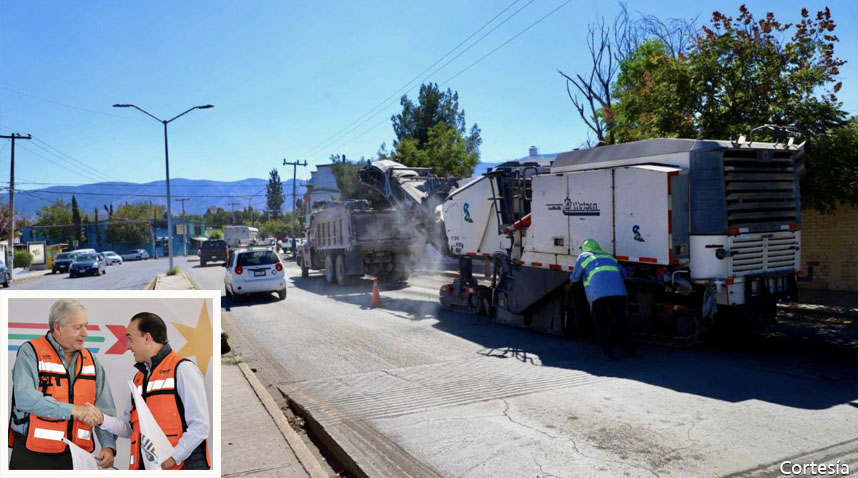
pixel 376 299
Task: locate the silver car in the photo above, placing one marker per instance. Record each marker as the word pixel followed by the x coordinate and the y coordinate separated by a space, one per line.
pixel 112 258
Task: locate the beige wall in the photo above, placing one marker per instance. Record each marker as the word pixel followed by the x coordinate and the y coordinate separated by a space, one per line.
pixel 830 246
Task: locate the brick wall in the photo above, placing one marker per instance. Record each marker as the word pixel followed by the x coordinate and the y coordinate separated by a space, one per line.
pixel 829 250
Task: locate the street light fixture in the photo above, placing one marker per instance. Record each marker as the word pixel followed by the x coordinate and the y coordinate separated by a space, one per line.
pixel 167 161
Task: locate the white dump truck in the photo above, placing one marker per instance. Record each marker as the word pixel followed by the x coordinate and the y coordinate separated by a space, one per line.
pixel 349 239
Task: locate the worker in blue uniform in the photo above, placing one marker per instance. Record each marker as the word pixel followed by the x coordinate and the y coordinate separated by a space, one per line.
pixel 606 292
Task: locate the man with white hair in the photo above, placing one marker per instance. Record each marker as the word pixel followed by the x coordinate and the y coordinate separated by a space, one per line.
pixel 55 381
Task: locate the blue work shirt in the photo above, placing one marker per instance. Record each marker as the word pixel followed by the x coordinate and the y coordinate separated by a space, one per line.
pixel 601 274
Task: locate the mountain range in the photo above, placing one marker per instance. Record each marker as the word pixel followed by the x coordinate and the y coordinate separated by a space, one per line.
pixel 201 194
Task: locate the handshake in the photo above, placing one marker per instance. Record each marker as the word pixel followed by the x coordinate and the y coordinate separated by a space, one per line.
pixel 88 414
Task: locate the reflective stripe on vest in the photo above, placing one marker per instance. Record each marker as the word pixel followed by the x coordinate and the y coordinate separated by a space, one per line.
pixel 163 401
pixel 595 271
pixel 45 435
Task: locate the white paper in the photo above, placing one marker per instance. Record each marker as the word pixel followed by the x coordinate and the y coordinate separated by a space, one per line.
pixel 81 459
pixel 154 445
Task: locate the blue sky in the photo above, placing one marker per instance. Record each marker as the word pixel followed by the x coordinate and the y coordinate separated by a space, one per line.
pixel 287 77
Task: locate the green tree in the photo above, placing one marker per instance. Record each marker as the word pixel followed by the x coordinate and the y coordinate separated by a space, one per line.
pixel 55 222
pixel 20 222
pixel 433 129
pixel 131 223
pixel 274 194
pixel 346 175
pixel 97 231
pixel 23 258
pixel 653 100
pixel 832 169
pixel 272 227
pixel 747 72
pixel 79 236
pixel 742 73
pixel 215 234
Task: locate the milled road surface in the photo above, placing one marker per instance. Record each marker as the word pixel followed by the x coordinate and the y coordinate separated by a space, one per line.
pixel 412 390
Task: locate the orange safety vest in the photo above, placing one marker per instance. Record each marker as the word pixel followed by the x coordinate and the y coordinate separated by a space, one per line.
pixel 45 434
pixel 161 396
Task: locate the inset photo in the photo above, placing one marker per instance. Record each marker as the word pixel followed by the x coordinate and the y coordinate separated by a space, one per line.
pixel 110 380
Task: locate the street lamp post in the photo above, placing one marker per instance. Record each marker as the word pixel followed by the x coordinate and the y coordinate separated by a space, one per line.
pixel 167 161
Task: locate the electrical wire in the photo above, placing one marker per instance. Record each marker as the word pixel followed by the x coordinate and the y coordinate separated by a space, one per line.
pixel 386 102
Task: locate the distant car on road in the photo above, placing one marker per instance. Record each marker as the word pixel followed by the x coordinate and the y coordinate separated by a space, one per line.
pixel 62 262
pixel 253 271
pixel 5 275
pixel 136 255
pixel 213 250
pixel 87 264
pixel 112 258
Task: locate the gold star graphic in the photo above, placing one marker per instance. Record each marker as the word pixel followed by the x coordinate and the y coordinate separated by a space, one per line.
pixel 199 340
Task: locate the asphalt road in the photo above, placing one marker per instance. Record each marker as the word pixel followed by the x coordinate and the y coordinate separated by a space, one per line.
pixel 412 390
pixel 131 275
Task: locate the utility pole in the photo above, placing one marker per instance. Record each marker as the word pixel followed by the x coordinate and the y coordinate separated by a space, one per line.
pixel 185 235
pixel 11 249
pixel 233 204
pixel 294 165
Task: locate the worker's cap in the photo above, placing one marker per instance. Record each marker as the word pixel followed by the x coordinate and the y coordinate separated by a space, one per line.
pixel 590 245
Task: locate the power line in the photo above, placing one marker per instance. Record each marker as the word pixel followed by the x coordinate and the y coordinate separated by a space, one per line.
pixel 60 165
pixel 508 41
pixel 340 145
pixel 73 160
pixel 386 102
pixel 59 103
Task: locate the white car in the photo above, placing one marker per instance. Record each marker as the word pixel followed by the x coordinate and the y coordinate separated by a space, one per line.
pixel 136 255
pixel 112 258
pixel 256 270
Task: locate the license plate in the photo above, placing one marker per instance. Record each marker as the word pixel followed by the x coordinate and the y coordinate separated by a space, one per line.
pixel 258 273
pixel 213 257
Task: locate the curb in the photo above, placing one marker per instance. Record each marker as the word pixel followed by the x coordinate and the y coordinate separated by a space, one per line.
pixel 304 455
pixel 153 284
pixel 308 461
pixel 330 443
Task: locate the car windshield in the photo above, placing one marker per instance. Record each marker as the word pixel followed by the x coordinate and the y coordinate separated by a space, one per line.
pixel 211 244
pixel 86 258
pixel 64 256
pixel 111 253
pixel 257 258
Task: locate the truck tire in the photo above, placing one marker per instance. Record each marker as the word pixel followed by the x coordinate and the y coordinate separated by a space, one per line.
pixel 329 269
pixel 305 271
pixel 343 279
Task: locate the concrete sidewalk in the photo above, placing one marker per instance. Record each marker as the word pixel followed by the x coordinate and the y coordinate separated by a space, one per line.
pixel 256 439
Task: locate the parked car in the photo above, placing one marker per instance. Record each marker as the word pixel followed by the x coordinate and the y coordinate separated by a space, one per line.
pixel 112 258
pixel 5 275
pixel 87 264
pixel 62 262
pixel 214 250
pixel 136 255
pixel 253 271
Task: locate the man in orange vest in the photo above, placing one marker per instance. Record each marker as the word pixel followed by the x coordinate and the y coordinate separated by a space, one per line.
pixel 175 393
pixel 55 381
